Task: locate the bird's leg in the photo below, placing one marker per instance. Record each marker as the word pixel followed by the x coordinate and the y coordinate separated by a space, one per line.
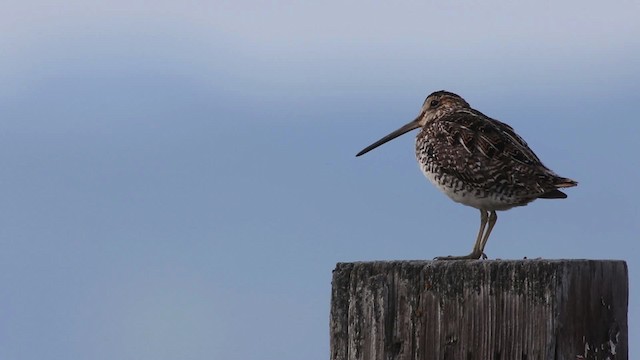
pixel 477 247
pixel 493 217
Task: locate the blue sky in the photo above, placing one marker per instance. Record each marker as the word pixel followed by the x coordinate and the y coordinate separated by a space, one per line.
pixel 179 178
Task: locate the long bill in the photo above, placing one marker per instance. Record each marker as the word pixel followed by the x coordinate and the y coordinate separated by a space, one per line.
pixel 403 130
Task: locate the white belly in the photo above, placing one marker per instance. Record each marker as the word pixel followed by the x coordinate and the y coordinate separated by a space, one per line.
pixel 465 195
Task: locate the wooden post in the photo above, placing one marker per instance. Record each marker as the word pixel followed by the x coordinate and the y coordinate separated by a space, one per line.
pixel 484 309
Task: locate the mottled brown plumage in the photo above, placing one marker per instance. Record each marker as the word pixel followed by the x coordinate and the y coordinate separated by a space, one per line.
pixel 477 161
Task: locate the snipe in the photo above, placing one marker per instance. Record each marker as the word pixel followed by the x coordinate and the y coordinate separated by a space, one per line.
pixel 477 161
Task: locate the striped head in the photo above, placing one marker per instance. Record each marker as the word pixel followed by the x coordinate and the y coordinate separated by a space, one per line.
pixel 440 103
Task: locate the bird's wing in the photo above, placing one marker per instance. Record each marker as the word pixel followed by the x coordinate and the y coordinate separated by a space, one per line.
pixel 485 152
pixel 488 137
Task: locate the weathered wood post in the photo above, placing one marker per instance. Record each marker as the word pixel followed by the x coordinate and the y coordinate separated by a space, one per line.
pixel 485 310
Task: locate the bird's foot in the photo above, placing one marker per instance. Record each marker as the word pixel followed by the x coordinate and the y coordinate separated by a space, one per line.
pixel 472 256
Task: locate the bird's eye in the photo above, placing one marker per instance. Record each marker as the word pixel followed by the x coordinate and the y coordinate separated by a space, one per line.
pixel 434 103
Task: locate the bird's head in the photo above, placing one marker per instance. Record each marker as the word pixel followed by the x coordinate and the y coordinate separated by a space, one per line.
pixel 440 103
pixel 435 105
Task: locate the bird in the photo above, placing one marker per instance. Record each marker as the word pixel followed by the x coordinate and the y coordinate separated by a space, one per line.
pixel 477 161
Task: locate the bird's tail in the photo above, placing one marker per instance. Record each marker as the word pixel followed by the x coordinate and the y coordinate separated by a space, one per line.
pixel 553 194
pixel 565 182
pixel 559 183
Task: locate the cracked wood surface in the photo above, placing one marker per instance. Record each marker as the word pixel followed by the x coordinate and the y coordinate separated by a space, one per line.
pixel 486 310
